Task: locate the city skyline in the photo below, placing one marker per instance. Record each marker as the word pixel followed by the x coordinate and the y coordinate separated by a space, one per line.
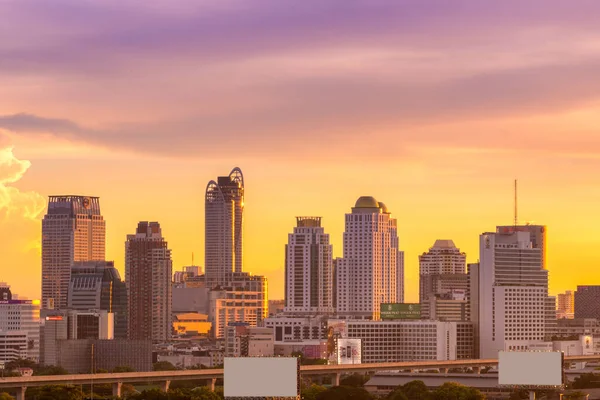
pixel 432 107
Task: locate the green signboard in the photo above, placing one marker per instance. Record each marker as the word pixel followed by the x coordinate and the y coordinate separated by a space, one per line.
pixel 400 311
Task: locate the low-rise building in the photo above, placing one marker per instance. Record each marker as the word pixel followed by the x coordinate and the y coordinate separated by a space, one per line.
pixel 191 324
pixel 312 349
pixel 294 329
pixel 246 341
pixel 397 341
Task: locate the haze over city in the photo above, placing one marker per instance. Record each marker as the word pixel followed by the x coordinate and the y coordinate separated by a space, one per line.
pixel 429 107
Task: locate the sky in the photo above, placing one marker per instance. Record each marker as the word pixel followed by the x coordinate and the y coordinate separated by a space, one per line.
pixel 432 107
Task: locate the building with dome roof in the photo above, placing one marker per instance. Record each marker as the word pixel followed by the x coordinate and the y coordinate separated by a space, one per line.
pixel 371 270
pixel 443 265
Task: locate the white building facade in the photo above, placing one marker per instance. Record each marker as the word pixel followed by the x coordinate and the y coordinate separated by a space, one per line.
pixel 509 294
pixel 371 270
pixel 19 330
pixel 308 269
pixel 444 259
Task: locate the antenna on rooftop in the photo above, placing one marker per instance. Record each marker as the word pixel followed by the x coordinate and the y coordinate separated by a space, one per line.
pixel 516 219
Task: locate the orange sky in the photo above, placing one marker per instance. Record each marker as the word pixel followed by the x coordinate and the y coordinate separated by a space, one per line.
pixel 431 109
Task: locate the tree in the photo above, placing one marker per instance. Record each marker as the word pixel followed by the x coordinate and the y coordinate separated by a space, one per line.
pixel 204 393
pixel 51 370
pixel 6 396
pixel 152 394
pixel 54 392
pixel 311 392
pixel 521 394
pixel 578 395
pixel 455 391
pixel 344 393
pixel 123 368
pixel 415 390
pixel 354 380
pixel 21 363
pixel 164 366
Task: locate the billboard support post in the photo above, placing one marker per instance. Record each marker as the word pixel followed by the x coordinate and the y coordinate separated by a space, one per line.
pixel 532 395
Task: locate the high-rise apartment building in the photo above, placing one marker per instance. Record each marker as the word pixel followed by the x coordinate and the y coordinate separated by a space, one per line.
pixel 308 269
pixel 97 285
pixel 367 275
pixel 72 230
pixel 565 307
pixel 443 261
pixel 509 293
pixel 148 270
pixel 224 209
pixel 587 302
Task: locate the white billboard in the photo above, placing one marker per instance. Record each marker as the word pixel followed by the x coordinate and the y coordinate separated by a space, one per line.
pixel 530 368
pixel 348 351
pixel 261 377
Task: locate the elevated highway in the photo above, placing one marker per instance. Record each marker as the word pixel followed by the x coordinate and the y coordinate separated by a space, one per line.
pixel 20 384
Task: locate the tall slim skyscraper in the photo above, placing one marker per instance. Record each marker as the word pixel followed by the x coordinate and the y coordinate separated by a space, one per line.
pixel 308 269
pixel 443 262
pixel 72 230
pixel 148 270
pixel 367 274
pixel 509 293
pixel 224 210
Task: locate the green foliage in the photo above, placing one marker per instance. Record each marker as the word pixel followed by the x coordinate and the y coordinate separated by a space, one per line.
pixel 354 380
pixel 414 390
pixel 344 393
pixel 586 381
pixel 21 363
pixel 164 366
pixel 308 361
pixel 51 370
pixel 6 396
pixel 123 368
pixel 199 393
pixel 455 391
pixel 311 392
pixel 54 392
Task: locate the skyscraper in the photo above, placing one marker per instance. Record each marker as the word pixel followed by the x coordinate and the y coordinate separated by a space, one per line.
pixel 224 209
pixel 367 273
pixel 443 264
pixel 509 293
pixel 72 230
pixel 587 302
pixel 308 269
pixel 97 285
pixel 148 270
pixel 537 234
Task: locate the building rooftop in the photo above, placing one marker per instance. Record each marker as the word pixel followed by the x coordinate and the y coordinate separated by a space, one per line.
pixel 444 244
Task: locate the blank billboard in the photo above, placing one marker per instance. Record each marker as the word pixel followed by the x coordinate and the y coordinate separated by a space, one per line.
pixel 532 369
pixel 261 377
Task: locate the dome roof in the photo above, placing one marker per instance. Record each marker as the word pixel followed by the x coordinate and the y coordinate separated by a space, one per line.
pixel 366 202
pixel 383 208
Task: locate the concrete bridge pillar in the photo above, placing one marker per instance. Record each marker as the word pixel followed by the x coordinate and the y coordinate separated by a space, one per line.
pixel 212 383
pixel 336 379
pixel 116 389
pixel 477 370
pixel 21 393
pixel 164 386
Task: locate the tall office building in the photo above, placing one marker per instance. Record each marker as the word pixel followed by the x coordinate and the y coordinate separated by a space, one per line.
pixel 537 233
pixel 444 259
pixel 148 270
pixel 367 273
pixel 566 305
pixel 509 293
pixel 97 285
pixel 224 209
pixel 72 230
pixel 308 269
